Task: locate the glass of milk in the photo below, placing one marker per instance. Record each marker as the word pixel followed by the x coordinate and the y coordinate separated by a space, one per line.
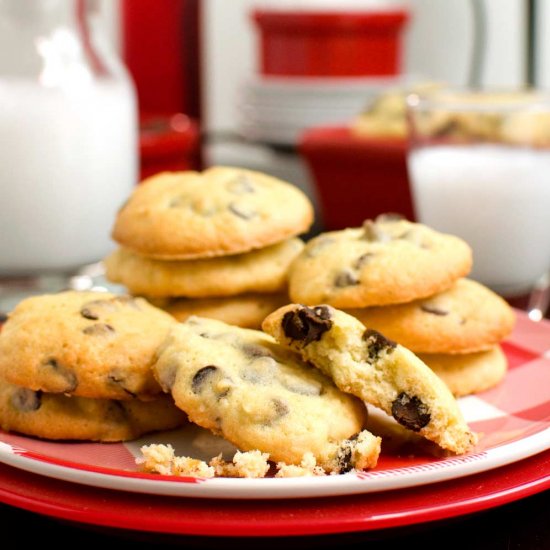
pixel 479 165
pixel 68 140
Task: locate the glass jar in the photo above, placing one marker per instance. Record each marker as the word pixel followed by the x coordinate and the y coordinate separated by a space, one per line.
pixel 68 137
pixel 479 164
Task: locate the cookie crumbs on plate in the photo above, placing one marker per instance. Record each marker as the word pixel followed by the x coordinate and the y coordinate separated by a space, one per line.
pixel 156 459
pixel 252 464
pixel 360 453
pixel 161 459
pixel 308 467
pixel 191 467
pixel 364 450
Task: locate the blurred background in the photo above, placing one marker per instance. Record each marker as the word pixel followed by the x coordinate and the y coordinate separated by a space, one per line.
pixel 254 78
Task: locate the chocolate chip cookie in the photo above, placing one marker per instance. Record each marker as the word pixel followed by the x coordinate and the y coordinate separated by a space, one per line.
pixel 466 318
pixel 245 311
pixel 88 344
pixel 223 210
pixel 468 373
pixel 362 362
pixel 263 270
pixel 387 261
pixel 54 416
pixel 242 385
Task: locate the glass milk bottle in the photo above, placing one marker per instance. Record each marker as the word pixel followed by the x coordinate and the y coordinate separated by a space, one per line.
pixel 68 138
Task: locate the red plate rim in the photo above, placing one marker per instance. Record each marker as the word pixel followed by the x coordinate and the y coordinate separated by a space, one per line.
pixel 87 505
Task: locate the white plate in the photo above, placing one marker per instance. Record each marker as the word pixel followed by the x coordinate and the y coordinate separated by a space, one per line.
pixel 514 419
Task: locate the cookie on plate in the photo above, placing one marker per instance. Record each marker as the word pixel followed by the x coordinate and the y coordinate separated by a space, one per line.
pixel 468 373
pixel 387 261
pixel 223 210
pixel 380 372
pixel 263 270
pixel 241 384
pixel 88 344
pixel 245 311
pixel 54 416
pixel 466 318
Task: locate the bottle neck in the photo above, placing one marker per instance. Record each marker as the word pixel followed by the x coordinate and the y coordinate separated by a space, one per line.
pixel 41 37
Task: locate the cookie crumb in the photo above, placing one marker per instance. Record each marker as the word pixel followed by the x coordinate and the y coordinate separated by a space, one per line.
pixel 156 459
pixel 366 450
pixel 359 452
pixel 251 464
pixel 191 467
pixel 308 467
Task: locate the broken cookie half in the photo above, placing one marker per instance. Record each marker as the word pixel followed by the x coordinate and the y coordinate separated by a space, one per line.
pixel 364 363
pixel 242 385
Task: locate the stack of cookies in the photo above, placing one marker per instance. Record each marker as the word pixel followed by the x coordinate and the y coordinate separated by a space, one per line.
pixel 77 365
pixel 216 244
pixel 407 281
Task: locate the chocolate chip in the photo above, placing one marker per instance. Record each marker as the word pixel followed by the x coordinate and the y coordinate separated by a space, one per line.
pixel 26 400
pixel 434 310
pixel 240 185
pixel 99 329
pixel 306 324
pixel 363 260
pixel 281 409
pixel 374 233
pixel 344 456
pixel 272 414
pixel 346 278
pixel 376 343
pixel 242 211
pixel 201 376
pixel 118 379
pixel 65 379
pixel 88 314
pixel 410 412
pixel 3 317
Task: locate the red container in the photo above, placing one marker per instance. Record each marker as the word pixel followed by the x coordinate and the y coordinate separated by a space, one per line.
pixel 356 178
pixel 168 143
pixel 161 48
pixel 335 44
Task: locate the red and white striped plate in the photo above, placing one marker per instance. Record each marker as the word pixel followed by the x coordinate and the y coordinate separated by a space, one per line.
pixel 514 419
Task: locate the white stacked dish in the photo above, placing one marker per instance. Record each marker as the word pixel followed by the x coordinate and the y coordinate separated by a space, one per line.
pixel 277 110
